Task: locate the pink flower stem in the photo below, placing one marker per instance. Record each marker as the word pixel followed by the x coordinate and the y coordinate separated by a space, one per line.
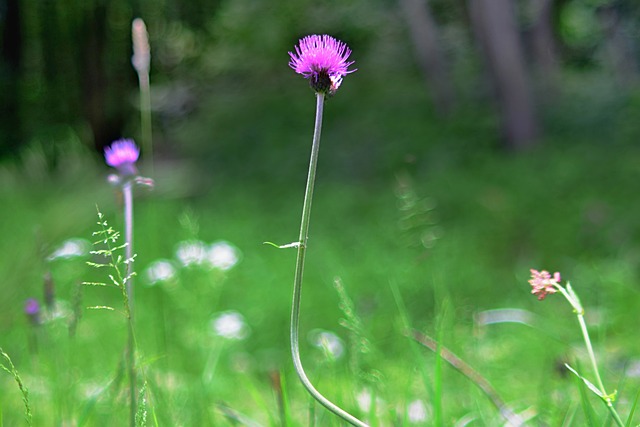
pixel 145 118
pixel 579 310
pixel 127 192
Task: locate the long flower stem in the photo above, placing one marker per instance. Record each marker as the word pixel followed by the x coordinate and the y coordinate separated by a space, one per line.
pixel 573 299
pixel 297 285
pixel 127 192
pixel 607 399
pixel 145 118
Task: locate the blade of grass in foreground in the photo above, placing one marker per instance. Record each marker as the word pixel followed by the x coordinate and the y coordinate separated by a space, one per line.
pixel 437 368
pixel 415 350
pixel 279 385
pixel 567 421
pixel 633 410
pixel 588 410
pixel 16 376
pixel 473 375
pixel 235 417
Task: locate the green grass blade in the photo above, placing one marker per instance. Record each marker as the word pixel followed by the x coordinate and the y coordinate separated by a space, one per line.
pixel 437 368
pixel 587 408
pixel 235 417
pixel 633 409
pixel 23 389
pixel 141 413
pixel 406 330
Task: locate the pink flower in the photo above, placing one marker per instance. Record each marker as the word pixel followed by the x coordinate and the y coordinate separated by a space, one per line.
pixel 123 155
pixel 322 60
pixel 543 284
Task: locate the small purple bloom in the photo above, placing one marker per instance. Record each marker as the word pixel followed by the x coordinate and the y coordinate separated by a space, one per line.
pixel 122 155
pixel 32 310
pixel 322 60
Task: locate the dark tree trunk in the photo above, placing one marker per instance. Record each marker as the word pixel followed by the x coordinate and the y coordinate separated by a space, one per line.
pixel 424 34
pixel 106 122
pixel 495 28
pixel 10 68
pixel 543 41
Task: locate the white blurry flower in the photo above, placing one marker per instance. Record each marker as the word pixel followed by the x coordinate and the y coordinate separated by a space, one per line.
pixel 71 248
pixel 329 342
pixel 230 325
pixel 114 179
pixel 417 412
pixel 633 369
pixel 222 255
pixel 191 252
pixel 364 400
pixel 60 309
pixel 160 271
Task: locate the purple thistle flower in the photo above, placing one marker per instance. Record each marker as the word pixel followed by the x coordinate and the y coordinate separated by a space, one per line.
pixel 32 310
pixel 322 60
pixel 122 155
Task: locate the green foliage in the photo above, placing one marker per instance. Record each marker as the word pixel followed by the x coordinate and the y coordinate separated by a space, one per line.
pixel 141 414
pixel 11 370
pixel 395 173
pixel 112 259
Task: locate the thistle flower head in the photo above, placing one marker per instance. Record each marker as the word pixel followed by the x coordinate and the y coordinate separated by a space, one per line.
pixel 123 155
pixel 32 310
pixel 543 283
pixel 322 60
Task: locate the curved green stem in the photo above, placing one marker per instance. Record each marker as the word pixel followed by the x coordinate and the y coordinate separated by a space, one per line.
pixel 573 299
pixel 297 285
pixel 592 357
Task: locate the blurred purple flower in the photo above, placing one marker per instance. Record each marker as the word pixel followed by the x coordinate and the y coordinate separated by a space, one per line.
pixel 322 60
pixel 123 155
pixel 32 310
pixel 543 283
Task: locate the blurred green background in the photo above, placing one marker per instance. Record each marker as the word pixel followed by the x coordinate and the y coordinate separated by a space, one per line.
pixel 476 140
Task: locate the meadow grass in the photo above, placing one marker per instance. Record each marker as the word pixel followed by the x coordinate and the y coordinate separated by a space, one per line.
pixel 494 217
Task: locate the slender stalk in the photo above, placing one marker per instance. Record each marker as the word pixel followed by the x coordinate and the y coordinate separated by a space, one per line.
pixel 141 62
pixel 571 296
pixel 607 399
pixel 297 285
pixel 592 356
pixel 145 118
pixel 127 192
pixel 131 362
pixel 465 369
